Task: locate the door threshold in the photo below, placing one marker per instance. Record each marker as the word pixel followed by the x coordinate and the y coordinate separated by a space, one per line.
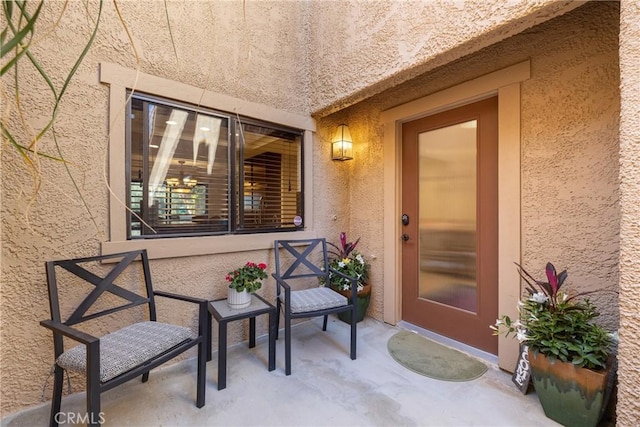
pixel 480 354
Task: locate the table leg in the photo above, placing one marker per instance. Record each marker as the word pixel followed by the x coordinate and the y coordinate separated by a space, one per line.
pixel 252 332
pixel 209 344
pixel 272 340
pixel 222 355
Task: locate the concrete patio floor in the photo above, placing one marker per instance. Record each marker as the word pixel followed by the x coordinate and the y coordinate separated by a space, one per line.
pixel 326 388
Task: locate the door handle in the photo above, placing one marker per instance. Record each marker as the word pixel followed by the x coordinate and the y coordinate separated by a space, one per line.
pixel 405 237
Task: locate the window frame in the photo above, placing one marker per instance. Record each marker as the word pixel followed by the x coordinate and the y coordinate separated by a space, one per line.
pixel 235 164
pixel 119 80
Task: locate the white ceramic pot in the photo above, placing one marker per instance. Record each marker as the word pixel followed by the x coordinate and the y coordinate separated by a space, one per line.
pixel 237 299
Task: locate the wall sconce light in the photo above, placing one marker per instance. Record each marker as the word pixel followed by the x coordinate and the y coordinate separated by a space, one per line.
pixel 342 145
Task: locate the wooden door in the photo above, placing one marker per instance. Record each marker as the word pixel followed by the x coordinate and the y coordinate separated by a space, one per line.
pixel 450 223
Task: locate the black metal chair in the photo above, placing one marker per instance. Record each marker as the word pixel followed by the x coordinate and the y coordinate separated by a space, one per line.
pixel 129 351
pixel 301 265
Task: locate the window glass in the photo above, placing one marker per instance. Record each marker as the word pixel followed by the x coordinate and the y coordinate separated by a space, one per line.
pixel 270 177
pixel 183 182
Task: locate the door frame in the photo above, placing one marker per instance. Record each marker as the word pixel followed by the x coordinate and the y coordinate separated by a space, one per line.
pixel 504 83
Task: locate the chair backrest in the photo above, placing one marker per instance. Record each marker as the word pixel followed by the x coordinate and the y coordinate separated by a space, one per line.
pixel 100 272
pixel 301 258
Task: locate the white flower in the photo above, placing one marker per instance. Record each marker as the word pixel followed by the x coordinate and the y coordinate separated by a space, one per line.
pixel 539 297
pixel 499 322
pixel 341 264
pixel 360 259
pixel 521 335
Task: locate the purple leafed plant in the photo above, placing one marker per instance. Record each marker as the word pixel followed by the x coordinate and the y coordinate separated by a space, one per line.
pixel 550 288
pixel 346 249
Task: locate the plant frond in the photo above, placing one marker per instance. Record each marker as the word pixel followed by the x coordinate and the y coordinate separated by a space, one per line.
pixel 19 35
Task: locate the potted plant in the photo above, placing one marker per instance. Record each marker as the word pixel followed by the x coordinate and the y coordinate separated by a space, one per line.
pixel 570 356
pixel 243 282
pixel 346 260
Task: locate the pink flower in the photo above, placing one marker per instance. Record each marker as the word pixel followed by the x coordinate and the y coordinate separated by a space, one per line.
pixel 262 266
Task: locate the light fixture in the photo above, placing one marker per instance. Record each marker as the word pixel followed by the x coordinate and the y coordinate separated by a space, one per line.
pixel 184 183
pixel 342 145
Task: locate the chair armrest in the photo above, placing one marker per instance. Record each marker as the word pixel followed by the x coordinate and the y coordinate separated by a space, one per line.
pixel 70 332
pixel 180 297
pixel 203 310
pixel 281 281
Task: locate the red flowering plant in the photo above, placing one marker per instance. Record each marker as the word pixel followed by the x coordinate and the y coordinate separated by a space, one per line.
pixel 248 277
pixel 557 325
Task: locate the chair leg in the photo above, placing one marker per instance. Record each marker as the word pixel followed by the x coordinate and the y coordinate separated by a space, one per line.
pixel 278 309
pixel 58 380
pixel 202 374
pixel 287 340
pixel 145 377
pixel 324 323
pixel 93 405
pixel 354 324
pixel 93 384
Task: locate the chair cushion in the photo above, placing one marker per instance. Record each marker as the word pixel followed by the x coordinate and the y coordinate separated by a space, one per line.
pixel 315 299
pixel 127 348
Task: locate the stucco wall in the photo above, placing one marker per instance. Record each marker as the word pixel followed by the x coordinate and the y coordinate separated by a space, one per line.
pixel 348 197
pixel 363 47
pixel 629 411
pixel 287 55
pixel 256 53
pixel 570 197
pixel 569 124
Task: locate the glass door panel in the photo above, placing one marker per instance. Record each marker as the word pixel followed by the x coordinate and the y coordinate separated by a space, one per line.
pixel 448 212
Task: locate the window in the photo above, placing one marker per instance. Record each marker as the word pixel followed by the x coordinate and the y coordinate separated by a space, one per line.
pixel 195 171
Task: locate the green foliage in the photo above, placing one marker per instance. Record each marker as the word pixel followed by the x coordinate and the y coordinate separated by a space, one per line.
pixel 247 277
pixel 557 326
pixel 567 333
pixel 347 261
pixel 353 266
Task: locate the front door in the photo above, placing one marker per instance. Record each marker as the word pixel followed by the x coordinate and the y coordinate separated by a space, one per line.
pixel 450 223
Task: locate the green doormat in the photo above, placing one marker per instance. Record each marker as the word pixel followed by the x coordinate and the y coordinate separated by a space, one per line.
pixel 428 358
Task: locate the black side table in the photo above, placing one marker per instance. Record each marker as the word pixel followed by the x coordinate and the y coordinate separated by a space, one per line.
pixel 223 314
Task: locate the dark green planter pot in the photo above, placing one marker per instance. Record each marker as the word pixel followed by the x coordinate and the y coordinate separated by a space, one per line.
pixel 362 303
pixel 574 397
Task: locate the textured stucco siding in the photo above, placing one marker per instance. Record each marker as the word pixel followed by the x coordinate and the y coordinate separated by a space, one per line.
pixel 254 51
pixel 570 197
pixel 628 413
pixel 569 124
pixel 364 47
pixel 319 57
